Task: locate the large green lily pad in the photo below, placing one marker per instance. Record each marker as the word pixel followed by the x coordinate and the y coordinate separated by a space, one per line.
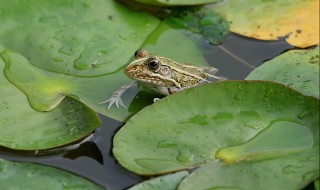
pixel 293 172
pixel 85 37
pixel 259 164
pixel 22 127
pixel 176 2
pixel 44 61
pixel 298 69
pixel 27 176
pixel 166 182
pixel 269 20
pixel 46 89
pixel 187 129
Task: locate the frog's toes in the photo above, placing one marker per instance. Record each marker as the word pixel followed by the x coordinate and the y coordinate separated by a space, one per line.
pixel 118 102
pixel 114 100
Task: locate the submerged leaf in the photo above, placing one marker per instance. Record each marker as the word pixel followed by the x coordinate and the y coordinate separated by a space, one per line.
pixel 21 127
pixel 298 69
pixel 25 176
pixel 186 129
pixel 270 20
pixel 201 21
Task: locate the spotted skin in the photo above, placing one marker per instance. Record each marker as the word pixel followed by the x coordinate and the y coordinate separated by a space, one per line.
pixel 162 75
pixel 171 75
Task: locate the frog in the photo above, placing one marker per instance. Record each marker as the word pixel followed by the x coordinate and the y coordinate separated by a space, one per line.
pixel 162 75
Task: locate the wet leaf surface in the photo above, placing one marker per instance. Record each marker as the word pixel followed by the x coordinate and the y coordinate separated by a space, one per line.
pixel 293 171
pixel 269 20
pixel 299 69
pixel 46 89
pixel 27 176
pixel 290 137
pixel 181 131
pixel 27 129
pixel 84 38
pixel 166 182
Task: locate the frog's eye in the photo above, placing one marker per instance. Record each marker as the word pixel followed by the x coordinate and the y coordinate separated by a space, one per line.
pixel 153 64
pixel 140 53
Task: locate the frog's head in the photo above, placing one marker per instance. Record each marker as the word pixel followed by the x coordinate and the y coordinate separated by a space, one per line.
pixel 150 69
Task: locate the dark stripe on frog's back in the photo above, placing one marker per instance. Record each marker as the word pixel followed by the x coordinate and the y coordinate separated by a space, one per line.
pixel 184 67
pixel 183 78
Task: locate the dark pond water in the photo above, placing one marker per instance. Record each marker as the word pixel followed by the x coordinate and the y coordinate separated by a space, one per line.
pixel 92 158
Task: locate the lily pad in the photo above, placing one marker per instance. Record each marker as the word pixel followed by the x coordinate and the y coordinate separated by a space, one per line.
pixel 29 176
pixel 293 171
pixel 186 129
pixel 84 38
pixel 270 20
pixel 167 182
pixel 27 129
pixel 290 137
pixel 298 69
pixel 177 2
pixel 201 21
pixel 46 89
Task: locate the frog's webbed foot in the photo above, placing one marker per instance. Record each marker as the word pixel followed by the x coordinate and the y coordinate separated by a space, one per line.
pixel 116 96
pixel 114 99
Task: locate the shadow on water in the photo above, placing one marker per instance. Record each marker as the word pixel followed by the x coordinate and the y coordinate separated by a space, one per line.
pixel 91 157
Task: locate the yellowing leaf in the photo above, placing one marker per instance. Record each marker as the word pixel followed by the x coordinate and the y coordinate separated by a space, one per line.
pixel 269 19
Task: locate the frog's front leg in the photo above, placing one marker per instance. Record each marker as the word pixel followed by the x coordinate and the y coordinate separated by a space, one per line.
pixel 116 96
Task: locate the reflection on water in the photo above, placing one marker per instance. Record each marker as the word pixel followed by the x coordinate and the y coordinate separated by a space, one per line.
pixel 92 157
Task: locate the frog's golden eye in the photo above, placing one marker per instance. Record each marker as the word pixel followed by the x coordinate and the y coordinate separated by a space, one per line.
pixel 153 64
pixel 140 53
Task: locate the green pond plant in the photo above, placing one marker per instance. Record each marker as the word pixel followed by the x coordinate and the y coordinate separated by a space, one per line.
pixel 228 129
pixel 61 58
pixel 15 175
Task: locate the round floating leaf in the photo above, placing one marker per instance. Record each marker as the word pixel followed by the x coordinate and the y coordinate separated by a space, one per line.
pixel 186 129
pixel 293 171
pixel 201 21
pixel 290 137
pixel 84 37
pixel 298 69
pixel 165 36
pixel 21 127
pixel 269 20
pixel 167 182
pixel 176 2
pixel 16 175
pixel 46 89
